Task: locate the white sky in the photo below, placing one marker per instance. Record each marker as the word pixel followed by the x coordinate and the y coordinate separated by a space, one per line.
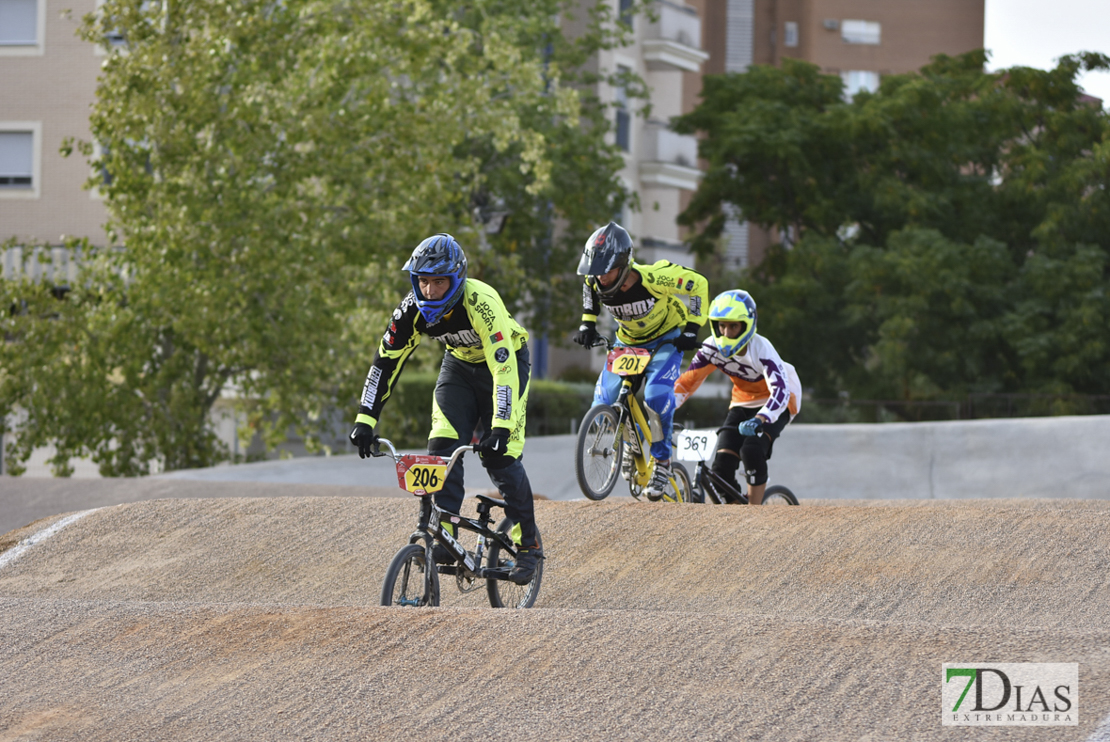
pixel 1034 33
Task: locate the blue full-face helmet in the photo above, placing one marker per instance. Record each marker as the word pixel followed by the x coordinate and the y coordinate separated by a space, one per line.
pixel 438 255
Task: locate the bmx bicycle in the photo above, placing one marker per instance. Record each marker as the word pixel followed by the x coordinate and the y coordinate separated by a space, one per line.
pixel 697 445
pixel 615 440
pixel 412 579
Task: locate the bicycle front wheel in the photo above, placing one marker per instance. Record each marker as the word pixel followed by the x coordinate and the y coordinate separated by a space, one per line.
pixel 408 581
pixel 597 453
pixel 506 594
pixel 678 488
pixel 776 494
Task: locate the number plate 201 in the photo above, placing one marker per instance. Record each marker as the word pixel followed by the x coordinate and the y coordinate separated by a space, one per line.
pixel 421 475
pixel 628 361
pixel 695 445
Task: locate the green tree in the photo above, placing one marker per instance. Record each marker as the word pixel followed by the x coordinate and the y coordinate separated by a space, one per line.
pixel 948 232
pixel 271 166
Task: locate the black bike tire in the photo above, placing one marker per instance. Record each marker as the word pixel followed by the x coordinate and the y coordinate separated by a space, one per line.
pixel 410 555
pixel 779 491
pixel 498 590
pixel 591 492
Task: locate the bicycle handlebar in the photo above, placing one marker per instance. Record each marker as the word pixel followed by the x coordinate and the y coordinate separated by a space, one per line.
pixel 393 453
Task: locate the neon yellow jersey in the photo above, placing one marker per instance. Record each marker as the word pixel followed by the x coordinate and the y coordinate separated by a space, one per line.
pixel 652 306
pixel 479 329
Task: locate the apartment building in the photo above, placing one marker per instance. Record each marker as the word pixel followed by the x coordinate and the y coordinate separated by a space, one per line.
pixel 860 40
pixel 47 83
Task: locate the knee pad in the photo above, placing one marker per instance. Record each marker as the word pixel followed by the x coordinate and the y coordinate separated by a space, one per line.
pixel 754 455
pixel 725 464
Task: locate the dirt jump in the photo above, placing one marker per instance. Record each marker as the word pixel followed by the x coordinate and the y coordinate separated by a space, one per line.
pixel 257 619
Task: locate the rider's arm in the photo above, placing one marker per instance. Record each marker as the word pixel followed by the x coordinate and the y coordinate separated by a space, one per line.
pixel 396 345
pixel 691 379
pixel 679 280
pixel 591 303
pixel 493 322
pixel 774 373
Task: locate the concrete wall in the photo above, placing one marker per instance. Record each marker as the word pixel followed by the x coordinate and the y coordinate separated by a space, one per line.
pixel 1025 457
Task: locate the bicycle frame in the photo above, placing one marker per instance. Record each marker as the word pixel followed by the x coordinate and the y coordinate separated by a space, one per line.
pixel 714 485
pixel 634 420
pixel 637 435
pixel 420 475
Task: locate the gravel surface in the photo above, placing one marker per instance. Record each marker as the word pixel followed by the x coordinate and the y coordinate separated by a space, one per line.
pixel 256 619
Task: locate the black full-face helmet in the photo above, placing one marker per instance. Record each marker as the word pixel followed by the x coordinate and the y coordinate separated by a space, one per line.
pixel 608 248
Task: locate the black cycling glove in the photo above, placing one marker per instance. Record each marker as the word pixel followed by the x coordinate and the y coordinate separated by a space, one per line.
pixel 688 340
pixel 365 438
pixel 587 334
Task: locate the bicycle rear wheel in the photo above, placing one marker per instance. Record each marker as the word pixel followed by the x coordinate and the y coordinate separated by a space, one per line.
pixel 776 494
pixel 408 582
pixel 597 453
pixel 506 594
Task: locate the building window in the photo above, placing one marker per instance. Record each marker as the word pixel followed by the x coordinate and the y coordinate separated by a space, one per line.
pixel 17 160
pixel 790 34
pixel 861 32
pixel 624 116
pixel 19 22
pixel 857 80
pixel 624 14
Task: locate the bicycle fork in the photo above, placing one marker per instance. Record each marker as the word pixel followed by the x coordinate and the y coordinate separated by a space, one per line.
pixel 635 429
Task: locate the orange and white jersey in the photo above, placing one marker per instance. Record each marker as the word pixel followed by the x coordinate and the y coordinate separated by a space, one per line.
pixel 760 378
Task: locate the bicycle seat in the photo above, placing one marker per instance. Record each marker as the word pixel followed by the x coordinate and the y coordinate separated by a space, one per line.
pixel 492 501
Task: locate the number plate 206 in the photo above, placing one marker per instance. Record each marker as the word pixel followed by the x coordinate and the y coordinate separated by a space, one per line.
pixel 421 475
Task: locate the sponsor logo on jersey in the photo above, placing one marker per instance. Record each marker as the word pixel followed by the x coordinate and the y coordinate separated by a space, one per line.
pixel 501 355
pixel 407 302
pixel 393 326
pixel 388 339
pixel 633 310
pixel 370 388
pixel 690 285
pixel 504 402
pixel 462 338
pixel 496 337
pixel 483 309
pixel 504 370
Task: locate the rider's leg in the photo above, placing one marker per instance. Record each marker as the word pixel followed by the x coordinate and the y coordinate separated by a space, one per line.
pixel 455 413
pixel 754 455
pixel 727 459
pixel 755 452
pixel 506 470
pixel 661 375
pixel 607 388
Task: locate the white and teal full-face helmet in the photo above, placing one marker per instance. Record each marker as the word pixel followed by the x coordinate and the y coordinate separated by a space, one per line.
pixel 733 306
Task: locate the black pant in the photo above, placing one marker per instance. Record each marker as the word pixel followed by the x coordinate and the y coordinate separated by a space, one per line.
pixel 464 395
pixel 753 451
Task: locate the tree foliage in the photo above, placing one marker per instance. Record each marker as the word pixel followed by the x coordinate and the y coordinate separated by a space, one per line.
pixel 269 166
pixel 949 233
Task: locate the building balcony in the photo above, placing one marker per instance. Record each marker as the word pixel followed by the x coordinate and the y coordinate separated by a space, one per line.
pixel 668 159
pixel 673 42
